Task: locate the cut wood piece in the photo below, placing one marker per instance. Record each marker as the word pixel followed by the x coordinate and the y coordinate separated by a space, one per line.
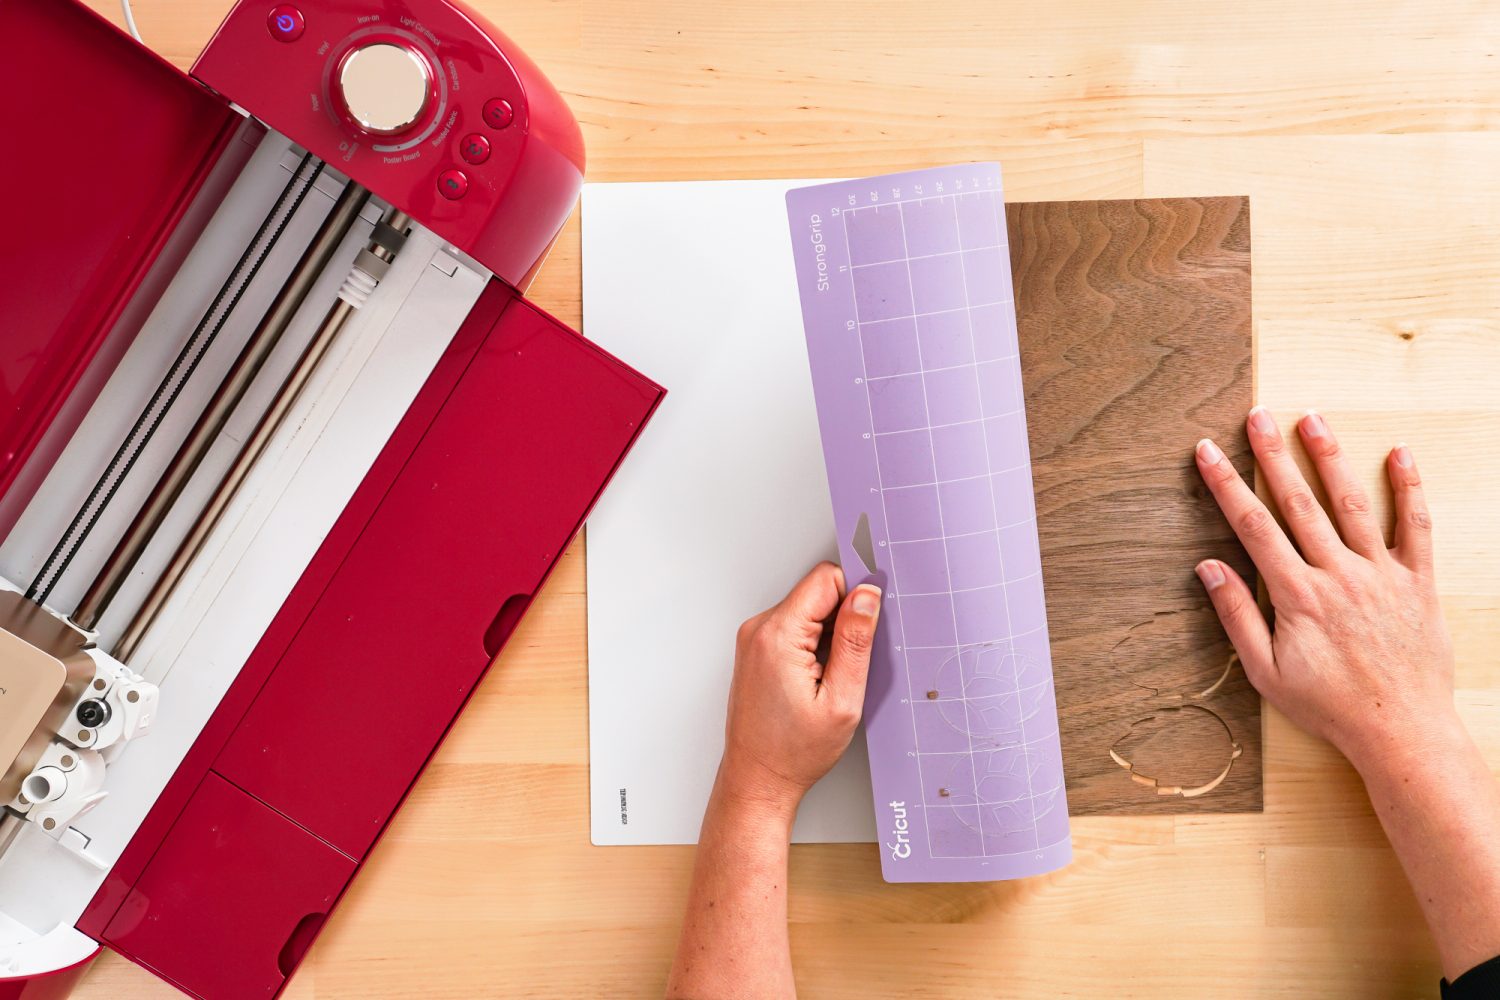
pixel 1134 320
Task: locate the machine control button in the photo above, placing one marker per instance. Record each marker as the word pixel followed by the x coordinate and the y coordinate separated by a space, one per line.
pixel 452 184
pixel 475 148
pixel 285 23
pixel 93 713
pixel 498 113
pixel 386 87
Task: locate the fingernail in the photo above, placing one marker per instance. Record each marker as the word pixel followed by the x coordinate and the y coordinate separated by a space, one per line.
pixel 866 600
pixel 1211 574
pixel 1403 457
pixel 1260 420
pixel 1209 453
pixel 1313 425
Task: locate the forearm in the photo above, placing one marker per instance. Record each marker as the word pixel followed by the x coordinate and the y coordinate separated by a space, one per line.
pixel 734 936
pixel 1440 807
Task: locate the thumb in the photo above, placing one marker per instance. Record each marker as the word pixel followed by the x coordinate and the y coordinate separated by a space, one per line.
pixel 853 639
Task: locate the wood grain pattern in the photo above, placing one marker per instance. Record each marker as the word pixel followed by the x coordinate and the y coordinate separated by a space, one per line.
pixel 1134 319
pixel 1366 134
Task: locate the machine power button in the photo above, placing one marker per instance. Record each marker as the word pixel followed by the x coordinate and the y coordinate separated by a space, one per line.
pixel 385 87
pixel 285 23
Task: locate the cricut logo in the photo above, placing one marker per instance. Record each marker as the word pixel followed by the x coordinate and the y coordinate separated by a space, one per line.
pixel 901 849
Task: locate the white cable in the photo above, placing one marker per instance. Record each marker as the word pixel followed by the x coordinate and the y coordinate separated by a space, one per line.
pixel 130 20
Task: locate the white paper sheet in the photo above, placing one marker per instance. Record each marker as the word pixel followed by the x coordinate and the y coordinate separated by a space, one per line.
pixel 721 507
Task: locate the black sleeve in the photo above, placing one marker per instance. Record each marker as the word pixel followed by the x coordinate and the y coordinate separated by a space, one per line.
pixel 1480 983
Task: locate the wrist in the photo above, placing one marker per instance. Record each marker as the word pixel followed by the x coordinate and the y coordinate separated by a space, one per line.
pixel 1419 746
pixel 755 794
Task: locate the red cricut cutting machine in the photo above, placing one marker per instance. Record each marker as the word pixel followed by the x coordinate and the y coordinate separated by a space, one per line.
pixel 284 456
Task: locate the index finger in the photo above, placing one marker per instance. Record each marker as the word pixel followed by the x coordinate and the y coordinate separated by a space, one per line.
pixel 1258 531
pixel 812 600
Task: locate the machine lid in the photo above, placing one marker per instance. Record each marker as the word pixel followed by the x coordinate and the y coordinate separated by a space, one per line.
pixel 108 145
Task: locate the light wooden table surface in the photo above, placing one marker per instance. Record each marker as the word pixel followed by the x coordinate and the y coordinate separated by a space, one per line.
pixel 1365 135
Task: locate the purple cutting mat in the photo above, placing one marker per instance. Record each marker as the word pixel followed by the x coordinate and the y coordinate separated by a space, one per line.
pixel 911 331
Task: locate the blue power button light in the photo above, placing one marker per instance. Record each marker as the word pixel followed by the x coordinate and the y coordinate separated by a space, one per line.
pixel 285 23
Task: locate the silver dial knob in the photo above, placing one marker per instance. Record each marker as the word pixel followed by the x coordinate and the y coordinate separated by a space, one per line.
pixel 385 87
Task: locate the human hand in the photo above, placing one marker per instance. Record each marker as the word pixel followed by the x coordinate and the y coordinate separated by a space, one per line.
pixel 1359 653
pixel 791 717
